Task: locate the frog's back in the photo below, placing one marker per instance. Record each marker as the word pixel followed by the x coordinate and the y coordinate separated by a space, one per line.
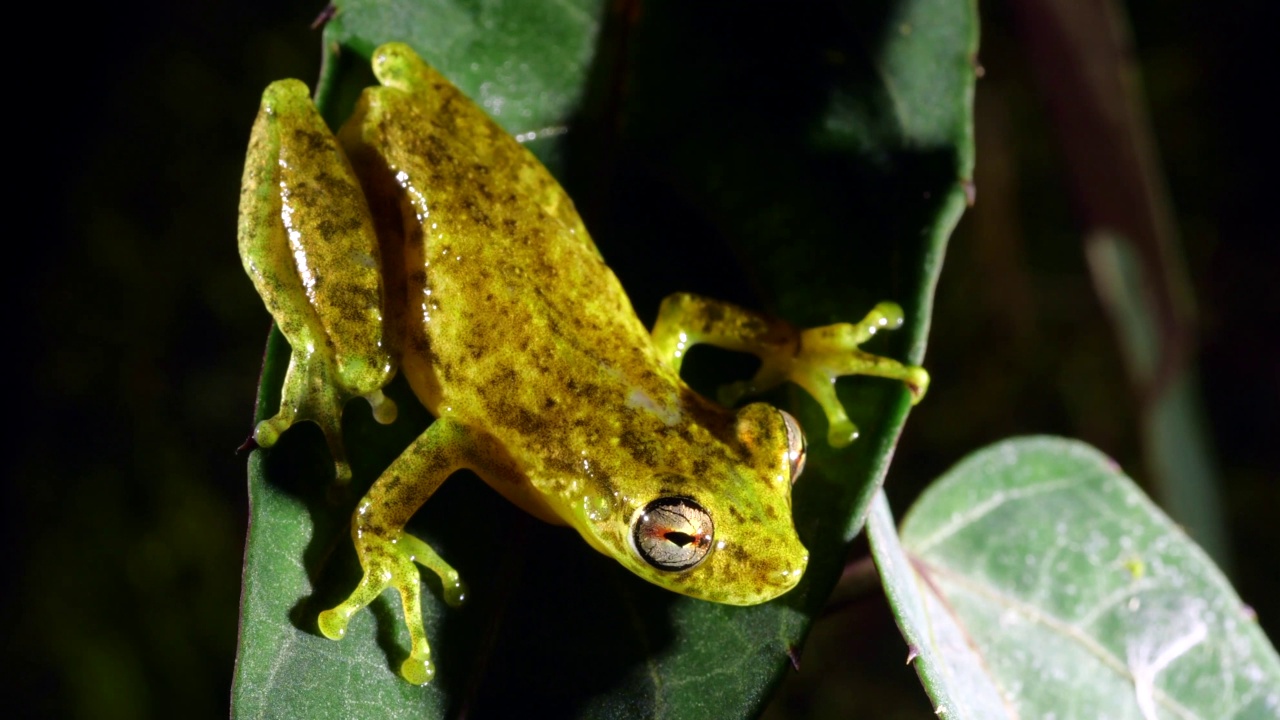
pixel 507 303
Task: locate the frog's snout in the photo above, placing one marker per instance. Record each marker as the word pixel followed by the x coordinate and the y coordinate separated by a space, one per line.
pixel 786 573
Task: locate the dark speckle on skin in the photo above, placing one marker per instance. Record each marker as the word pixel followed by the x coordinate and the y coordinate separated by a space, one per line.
pixel 713 315
pixel 673 485
pixel 565 467
pixel 314 142
pixel 606 484
pixel 701 468
pixel 526 422
pixel 640 447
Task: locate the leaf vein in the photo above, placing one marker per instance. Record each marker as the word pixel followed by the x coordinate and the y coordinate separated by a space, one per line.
pixel 960 521
pixel 1059 626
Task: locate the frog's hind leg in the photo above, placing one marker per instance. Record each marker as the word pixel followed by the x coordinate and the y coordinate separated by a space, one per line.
pixel 387 553
pixel 812 358
pixel 311 393
pixel 307 241
pixel 306 395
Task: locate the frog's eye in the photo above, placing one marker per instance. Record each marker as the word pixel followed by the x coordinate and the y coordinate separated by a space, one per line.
pixel 672 533
pixel 797 447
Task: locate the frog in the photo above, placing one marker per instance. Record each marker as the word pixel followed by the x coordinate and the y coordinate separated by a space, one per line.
pixel 423 239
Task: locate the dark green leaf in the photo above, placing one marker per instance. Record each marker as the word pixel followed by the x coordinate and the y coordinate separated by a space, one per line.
pixel 1035 579
pixel 525 63
pixel 807 161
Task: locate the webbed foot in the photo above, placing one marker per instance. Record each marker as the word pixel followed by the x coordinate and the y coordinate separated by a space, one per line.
pixel 391 563
pixel 825 353
pixel 311 393
pixel 389 555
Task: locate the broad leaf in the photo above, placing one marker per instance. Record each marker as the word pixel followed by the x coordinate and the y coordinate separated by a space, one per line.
pixel 1034 579
pixel 951 670
pixel 807 162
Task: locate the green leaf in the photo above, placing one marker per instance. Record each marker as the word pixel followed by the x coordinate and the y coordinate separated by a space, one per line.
pixel 949 668
pixel 525 63
pixel 808 162
pixel 1034 579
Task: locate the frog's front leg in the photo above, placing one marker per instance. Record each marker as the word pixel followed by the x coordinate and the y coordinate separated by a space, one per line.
pixel 387 553
pixel 307 240
pixel 812 358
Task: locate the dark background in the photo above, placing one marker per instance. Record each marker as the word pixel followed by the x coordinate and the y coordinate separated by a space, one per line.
pixel 138 338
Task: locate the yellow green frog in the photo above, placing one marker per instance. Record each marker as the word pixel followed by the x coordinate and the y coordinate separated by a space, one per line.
pixel 424 239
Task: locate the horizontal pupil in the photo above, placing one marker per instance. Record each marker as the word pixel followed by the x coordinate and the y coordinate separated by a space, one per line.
pixel 678 538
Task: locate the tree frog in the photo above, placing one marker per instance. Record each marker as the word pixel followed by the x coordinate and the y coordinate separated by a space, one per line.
pixel 424 239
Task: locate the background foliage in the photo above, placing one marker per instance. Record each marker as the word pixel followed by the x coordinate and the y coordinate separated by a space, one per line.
pixel 809 181
pixel 138 340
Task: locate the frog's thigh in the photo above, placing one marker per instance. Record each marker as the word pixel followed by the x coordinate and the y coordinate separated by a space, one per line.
pixel 387 553
pixel 319 275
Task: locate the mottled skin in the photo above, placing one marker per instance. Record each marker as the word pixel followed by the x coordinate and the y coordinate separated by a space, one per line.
pixel 334 324
pixel 515 334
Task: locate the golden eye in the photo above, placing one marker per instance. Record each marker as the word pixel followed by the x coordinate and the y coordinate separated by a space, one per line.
pixel 797 447
pixel 672 533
